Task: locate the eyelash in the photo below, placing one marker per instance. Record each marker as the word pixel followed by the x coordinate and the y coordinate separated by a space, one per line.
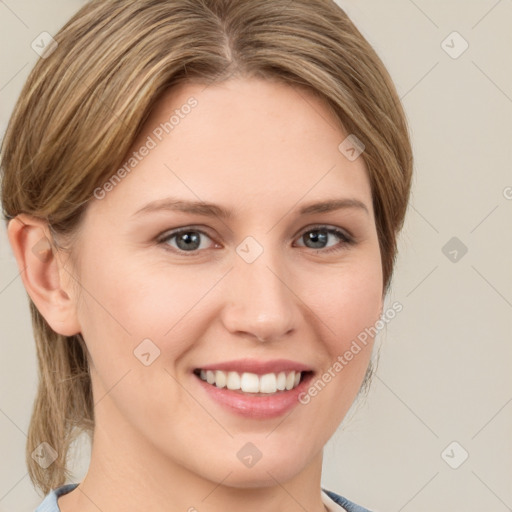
pixel 345 239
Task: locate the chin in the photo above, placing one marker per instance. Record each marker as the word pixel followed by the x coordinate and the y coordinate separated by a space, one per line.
pixel 274 465
pixel 263 475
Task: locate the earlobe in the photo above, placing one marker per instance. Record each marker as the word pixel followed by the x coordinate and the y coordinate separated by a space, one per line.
pixel 42 273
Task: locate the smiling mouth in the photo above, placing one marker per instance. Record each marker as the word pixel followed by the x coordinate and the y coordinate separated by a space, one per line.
pixel 252 383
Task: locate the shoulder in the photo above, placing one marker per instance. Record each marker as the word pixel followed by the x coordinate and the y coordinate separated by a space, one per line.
pixel 343 502
pixel 49 504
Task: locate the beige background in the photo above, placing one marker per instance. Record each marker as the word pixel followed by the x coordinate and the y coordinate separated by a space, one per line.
pixel 444 372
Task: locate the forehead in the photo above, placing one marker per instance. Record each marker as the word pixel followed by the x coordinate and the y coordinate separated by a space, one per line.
pixel 241 142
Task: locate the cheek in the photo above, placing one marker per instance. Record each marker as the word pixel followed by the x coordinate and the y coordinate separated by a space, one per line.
pixel 350 301
pixel 128 301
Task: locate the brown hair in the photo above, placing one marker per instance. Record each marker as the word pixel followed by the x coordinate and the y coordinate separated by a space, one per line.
pixel 83 106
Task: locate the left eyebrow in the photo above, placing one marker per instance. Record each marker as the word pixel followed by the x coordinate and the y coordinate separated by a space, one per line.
pixel 213 210
pixel 333 204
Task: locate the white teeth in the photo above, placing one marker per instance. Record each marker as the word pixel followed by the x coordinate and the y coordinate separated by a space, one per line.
pixel 250 382
pixel 281 381
pixel 290 379
pixel 220 379
pixel 233 381
pixel 268 383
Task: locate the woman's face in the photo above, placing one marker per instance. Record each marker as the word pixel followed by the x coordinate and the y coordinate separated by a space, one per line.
pixel 238 240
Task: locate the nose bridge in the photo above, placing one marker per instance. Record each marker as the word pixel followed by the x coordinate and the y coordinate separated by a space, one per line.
pixel 260 302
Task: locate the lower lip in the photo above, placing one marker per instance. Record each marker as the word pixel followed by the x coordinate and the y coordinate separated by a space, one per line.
pixel 256 406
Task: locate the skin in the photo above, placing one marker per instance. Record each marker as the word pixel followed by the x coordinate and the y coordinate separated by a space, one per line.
pixel 261 150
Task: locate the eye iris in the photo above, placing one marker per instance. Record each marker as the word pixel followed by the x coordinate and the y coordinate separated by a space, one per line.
pixel 317 237
pixel 190 240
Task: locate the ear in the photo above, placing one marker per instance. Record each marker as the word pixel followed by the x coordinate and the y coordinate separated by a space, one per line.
pixel 43 274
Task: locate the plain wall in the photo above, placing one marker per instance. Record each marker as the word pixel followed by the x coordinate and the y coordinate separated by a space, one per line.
pixel 444 372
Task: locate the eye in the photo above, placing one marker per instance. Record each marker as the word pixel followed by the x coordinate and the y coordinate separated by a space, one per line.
pixel 319 237
pixel 191 240
pixel 185 240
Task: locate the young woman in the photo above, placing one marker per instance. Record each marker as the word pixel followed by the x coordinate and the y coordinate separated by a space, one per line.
pixel 204 198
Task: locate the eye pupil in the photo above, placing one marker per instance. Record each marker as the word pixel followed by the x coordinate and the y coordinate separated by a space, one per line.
pixel 190 240
pixel 317 237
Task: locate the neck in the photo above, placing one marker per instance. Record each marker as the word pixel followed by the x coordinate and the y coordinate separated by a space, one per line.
pixel 129 473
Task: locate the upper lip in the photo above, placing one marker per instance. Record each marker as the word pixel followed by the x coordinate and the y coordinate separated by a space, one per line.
pixel 258 367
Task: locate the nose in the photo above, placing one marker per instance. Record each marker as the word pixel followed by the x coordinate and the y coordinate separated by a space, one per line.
pixel 260 302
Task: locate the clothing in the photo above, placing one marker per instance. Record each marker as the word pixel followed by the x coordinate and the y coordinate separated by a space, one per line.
pixel 331 500
pixel 341 502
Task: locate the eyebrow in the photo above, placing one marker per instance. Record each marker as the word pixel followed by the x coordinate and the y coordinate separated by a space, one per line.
pixel 213 210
